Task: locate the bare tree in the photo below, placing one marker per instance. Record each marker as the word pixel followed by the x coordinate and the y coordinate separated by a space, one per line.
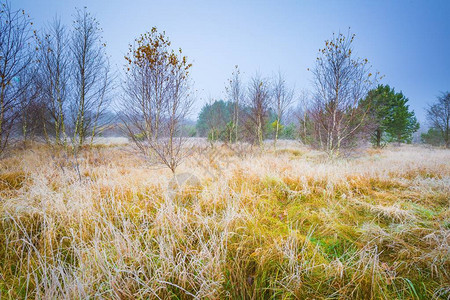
pixel 16 55
pixel 438 116
pixel 282 99
pixel 258 101
pixel 54 77
pixel 235 94
pixel 93 78
pixel 301 115
pixel 340 81
pixel 157 98
pixel 30 112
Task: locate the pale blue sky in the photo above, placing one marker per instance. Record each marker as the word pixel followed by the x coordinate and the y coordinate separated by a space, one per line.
pixel 407 41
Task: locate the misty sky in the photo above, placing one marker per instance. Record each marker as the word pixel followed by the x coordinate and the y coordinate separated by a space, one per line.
pixel 407 41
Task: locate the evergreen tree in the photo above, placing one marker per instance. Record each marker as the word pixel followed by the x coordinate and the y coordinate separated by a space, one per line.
pixel 215 120
pixel 390 119
pixel 433 137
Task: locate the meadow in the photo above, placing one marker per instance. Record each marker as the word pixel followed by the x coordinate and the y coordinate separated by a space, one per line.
pixel 251 223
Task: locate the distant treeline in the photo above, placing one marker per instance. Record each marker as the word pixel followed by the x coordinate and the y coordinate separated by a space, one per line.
pixel 56 84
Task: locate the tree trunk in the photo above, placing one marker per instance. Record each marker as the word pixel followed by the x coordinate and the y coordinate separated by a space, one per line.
pixel 277 128
pixel 2 114
pixel 378 137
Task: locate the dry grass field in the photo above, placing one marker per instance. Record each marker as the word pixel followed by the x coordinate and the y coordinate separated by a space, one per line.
pixel 284 224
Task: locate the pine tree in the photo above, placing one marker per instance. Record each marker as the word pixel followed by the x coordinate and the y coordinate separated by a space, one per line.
pixel 389 116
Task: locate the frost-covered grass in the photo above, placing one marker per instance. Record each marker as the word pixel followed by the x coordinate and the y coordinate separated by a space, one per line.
pixel 265 224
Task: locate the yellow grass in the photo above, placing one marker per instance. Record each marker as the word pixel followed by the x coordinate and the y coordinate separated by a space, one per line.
pixel 259 224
